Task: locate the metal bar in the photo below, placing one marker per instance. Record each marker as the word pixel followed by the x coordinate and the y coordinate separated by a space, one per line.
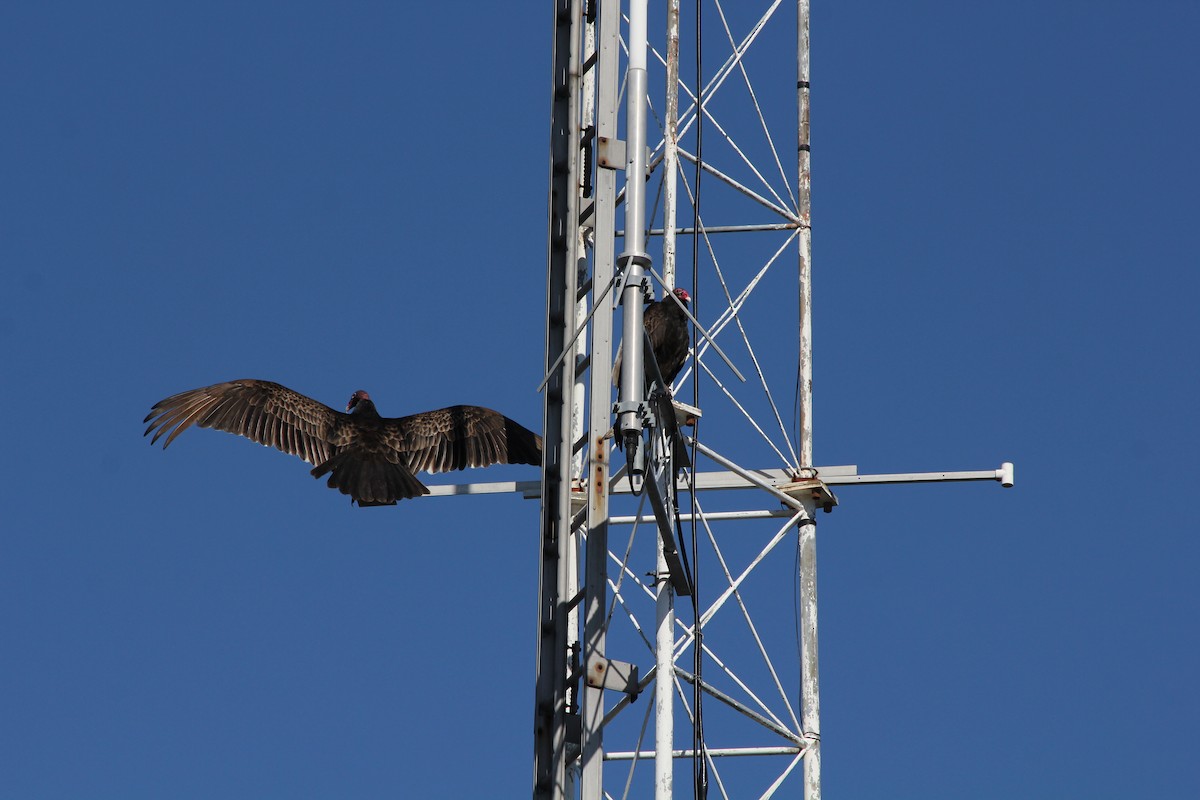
pixel 634 258
pixel 585 287
pixel 733 591
pixel 749 417
pixel 774 226
pixel 632 389
pixel 664 689
pixel 810 697
pixel 531 489
pixel 761 121
pixel 670 160
pixel 708 481
pixel 758 370
pixel 664 518
pixel 734 585
pixel 731 312
pixel 575 337
pixel 711 515
pixel 717 694
pixel 770 792
pixel 591 781
pixel 804 195
pixel 739 187
pixel 715 752
pixel 723 72
pixel 1002 476
pixel 640 738
pixel 550 761
pixel 749 476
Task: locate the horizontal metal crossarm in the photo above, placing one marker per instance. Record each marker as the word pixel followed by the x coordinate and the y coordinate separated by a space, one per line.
pixel 1003 475
pixel 709 515
pixel 714 752
pixel 748 228
pixel 742 478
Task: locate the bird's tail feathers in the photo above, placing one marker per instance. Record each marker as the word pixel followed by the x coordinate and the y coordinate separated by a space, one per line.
pixel 370 478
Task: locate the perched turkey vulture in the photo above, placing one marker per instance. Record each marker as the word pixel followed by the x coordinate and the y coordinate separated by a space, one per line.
pixel 667 327
pixel 369 457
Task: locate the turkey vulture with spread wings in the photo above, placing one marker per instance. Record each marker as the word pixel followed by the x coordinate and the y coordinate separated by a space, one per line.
pixel 667 327
pixel 369 457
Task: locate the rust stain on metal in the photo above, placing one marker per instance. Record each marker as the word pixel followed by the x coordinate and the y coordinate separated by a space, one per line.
pixel 601 456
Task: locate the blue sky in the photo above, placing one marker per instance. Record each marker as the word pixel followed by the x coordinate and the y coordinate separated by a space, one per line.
pixel 1005 270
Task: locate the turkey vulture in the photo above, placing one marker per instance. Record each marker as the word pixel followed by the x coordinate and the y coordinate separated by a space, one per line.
pixel 667 327
pixel 369 457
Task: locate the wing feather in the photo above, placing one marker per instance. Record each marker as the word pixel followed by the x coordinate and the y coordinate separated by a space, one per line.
pixel 262 411
pixel 458 437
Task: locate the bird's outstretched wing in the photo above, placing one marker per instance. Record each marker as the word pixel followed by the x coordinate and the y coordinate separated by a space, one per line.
pixel 262 411
pixel 462 436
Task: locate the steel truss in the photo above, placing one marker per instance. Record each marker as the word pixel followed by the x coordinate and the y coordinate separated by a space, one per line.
pixel 608 626
pixel 585 698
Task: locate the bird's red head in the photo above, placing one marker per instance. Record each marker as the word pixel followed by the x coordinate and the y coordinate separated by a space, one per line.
pixel 355 398
pixel 682 295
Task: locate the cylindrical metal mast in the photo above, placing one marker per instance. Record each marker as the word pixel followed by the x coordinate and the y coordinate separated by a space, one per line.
pixel 608 47
pixel 664 683
pixel 670 162
pixel 634 258
pixel 664 680
pixel 810 698
pixel 804 201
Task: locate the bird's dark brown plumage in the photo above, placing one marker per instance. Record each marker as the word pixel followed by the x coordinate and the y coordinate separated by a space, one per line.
pixel 369 457
pixel 667 327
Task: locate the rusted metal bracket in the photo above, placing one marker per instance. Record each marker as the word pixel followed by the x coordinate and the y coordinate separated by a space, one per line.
pixel 620 676
pixel 814 488
pixel 610 153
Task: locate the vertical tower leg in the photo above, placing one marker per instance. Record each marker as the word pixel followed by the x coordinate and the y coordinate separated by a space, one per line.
pixel 810 698
pixel 550 692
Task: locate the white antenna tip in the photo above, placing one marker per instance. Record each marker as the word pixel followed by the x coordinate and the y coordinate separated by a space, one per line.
pixel 1005 474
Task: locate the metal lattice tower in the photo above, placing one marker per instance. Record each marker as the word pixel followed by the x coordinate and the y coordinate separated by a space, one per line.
pixel 613 564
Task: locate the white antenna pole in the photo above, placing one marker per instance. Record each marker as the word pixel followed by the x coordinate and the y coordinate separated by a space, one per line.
pixel 664 675
pixel 810 697
pixel 634 259
pixel 670 162
pixel 804 201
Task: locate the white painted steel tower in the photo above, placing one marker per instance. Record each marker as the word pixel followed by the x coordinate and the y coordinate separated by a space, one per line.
pixel 681 160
